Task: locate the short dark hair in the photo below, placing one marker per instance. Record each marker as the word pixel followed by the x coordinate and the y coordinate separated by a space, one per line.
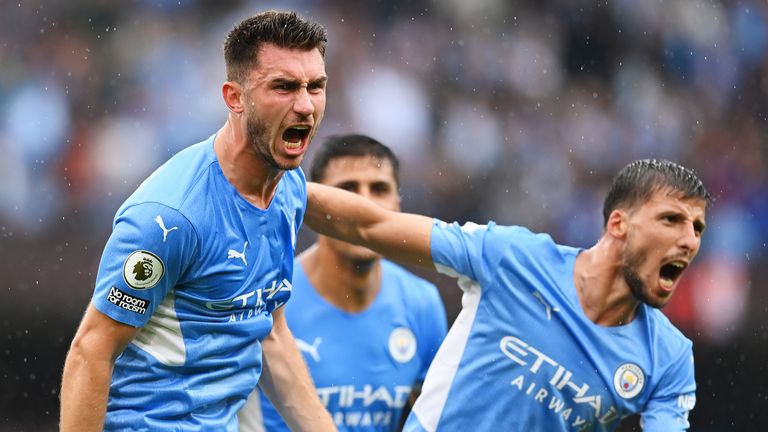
pixel 352 145
pixel 636 182
pixel 284 29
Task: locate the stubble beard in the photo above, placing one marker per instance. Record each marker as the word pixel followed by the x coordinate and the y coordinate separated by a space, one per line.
pixel 258 137
pixel 632 261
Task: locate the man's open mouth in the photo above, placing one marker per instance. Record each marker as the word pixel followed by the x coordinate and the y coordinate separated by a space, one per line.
pixel 294 136
pixel 670 273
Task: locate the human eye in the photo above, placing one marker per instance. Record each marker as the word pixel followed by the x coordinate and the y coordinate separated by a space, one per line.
pixel 316 86
pixel 284 86
pixel 380 188
pixel 348 186
pixel 670 218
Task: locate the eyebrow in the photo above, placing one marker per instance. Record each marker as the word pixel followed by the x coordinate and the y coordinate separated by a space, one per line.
pixel 322 80
pixel 293 81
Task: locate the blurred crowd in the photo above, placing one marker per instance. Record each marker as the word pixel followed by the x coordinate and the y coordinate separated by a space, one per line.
pixel 515 111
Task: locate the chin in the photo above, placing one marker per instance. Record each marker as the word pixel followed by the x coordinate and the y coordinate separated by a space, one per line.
pixel 655 301
pixel 361 256
pixel 288 164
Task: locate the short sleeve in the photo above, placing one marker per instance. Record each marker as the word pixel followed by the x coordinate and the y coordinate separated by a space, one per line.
pixel 472 252
pixel 150 248
pixel 675 396
pixel 457 250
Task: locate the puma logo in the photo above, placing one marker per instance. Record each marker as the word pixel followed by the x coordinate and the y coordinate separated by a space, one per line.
pixel 235 254
pixel 160 222
pixel 548 308
pixel 310 349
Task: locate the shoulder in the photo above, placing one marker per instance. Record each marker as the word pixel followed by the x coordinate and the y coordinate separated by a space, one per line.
pixel 668 341
pixel 152 219
pixel 293 192
pixel 172 183
pixel 495 236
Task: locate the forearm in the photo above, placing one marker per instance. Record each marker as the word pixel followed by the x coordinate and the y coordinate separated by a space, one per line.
pixel 84 392
pixel 286 382
pixel 88 370
pixel 346 216
pixel 340 214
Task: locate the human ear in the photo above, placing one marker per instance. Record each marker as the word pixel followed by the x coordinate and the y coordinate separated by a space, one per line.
pixel 617 223
pixel 232 93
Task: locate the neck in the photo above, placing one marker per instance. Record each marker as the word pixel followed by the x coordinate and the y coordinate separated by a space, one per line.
pixel 604 295
pixel 247 170
pixel 349 285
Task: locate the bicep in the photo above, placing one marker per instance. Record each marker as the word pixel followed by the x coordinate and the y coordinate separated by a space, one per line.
pixel 403 237
pixel 279 342
pixel 101 337
pixel 279 326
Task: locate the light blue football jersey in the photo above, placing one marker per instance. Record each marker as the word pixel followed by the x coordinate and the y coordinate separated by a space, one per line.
pixel 365 364
pixel 523 356
pixel 200 270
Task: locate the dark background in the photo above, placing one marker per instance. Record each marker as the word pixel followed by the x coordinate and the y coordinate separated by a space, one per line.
pixel 514 111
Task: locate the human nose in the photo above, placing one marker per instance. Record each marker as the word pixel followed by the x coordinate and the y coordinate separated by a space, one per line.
pixel 303 104
pixel 364 191
pixel 690 240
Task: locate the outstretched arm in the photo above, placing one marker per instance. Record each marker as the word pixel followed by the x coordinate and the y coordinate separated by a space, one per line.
pixel 88 370
pixel 286 381
pixel 402 237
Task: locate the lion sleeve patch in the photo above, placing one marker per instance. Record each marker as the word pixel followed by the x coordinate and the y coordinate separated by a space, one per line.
pixel 143 270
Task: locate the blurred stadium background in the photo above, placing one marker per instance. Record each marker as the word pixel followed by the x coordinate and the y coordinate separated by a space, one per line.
pixel 517 111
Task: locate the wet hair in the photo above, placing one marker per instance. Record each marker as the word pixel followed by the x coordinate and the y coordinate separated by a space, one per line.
pixel 353 145
pixel 283 29
pixel 638 181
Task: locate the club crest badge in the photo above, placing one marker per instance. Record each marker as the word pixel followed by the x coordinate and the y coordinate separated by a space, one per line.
pixel 402 344
pixel 143 270
pixel 628 380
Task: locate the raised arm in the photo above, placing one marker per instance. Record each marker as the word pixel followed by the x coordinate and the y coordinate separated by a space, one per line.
pixel 88 370
pixel 343 215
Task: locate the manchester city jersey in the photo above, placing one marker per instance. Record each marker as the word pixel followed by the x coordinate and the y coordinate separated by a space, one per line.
pixel 365 364
pixel 200 270
pixel 523 356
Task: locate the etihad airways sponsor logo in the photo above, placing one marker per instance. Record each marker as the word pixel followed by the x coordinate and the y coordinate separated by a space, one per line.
pixel 364 406
pixel 359 419
pixel 559 378
pixel 253 302
pixel 347 396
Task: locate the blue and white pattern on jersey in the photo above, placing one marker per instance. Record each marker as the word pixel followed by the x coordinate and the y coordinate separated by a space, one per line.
pixel 200 269
pixel 522 355
pixel 365 364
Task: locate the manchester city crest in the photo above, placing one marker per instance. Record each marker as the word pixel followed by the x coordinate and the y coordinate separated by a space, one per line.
pixel 402 344
pixel 628 380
